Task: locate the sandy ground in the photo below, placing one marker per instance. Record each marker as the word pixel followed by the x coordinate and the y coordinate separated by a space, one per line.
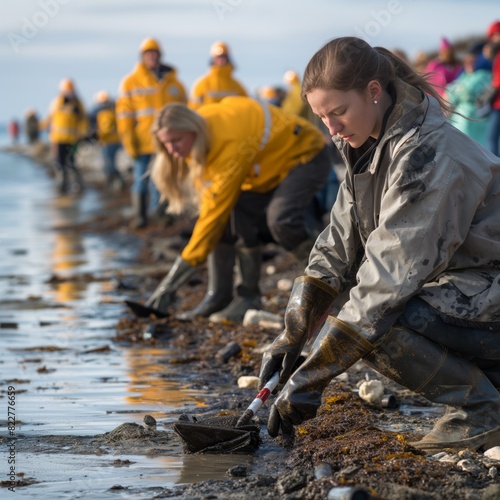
pixel 351 443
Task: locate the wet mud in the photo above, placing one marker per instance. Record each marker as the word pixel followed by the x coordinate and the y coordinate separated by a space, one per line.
pixel 364 445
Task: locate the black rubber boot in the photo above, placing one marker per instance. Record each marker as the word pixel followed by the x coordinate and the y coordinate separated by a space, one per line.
pixel 140 205
pixel 219 294
pixel 444 377
pixel 247 291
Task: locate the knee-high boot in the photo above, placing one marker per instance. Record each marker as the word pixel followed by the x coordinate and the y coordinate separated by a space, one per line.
pixel 219 294
pixel 247 290
pixel 442 376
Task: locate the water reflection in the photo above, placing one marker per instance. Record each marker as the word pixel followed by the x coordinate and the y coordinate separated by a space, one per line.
pixel 147 368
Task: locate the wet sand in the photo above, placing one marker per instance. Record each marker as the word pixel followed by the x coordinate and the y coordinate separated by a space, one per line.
pixel 86 372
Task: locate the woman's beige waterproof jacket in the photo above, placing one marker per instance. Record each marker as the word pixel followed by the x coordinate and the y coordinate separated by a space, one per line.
pixel 422 219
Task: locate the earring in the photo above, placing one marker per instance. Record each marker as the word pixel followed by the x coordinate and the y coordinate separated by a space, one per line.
pixel 375 102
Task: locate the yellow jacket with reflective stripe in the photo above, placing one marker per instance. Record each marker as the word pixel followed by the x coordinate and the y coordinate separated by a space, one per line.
pixel 252 147
pixel 67 121
pixel 106 127
pixel 214 86
pixel 141 95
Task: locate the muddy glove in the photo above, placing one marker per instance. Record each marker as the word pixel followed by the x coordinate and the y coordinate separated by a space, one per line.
pixel 307 308
pixel 164 294
pixel 337 347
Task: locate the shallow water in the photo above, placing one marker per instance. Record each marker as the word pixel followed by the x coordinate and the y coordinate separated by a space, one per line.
pixel 56 348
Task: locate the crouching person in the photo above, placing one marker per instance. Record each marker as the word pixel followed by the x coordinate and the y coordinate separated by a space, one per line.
pixel 418 221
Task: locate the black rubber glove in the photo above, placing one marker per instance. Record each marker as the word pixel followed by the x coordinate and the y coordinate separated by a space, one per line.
pixel 337 347
pixel 307 308
pixel 164 293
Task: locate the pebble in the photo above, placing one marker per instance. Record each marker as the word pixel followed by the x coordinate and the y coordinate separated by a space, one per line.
pixel 493 453
pixel 284 284
pixel 470 466
pixel 449 458
pixel 248 382
pixel 493 472
pixel 270 270
pixel 371 391
pixel 323 470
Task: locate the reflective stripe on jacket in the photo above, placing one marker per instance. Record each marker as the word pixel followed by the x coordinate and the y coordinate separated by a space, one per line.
pixel 141 95
pixel 425 218
pixel 217 84
pixel 253 146
pixel 66 121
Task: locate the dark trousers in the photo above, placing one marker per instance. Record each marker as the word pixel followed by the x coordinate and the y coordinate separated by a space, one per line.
pixel 279 215
pixel 473 340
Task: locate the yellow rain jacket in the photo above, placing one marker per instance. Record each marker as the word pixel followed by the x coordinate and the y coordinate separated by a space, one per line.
pixel 293 102
pixel 252 147
pixel 141 95
pixel 105 123
pixel 214 86
pixel 67 121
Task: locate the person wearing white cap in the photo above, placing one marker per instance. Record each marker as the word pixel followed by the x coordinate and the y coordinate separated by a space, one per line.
pixel 218 82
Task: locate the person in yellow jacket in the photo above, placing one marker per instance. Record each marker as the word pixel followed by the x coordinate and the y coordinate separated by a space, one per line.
pixel 142 93
pixel 67 123
pixel 218 82
pixel 104 130
pixel 251 171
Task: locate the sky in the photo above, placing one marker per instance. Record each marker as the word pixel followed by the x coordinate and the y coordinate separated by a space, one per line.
pixel 96 42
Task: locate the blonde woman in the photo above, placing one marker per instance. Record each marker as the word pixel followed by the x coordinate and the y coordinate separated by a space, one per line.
pixel 251 171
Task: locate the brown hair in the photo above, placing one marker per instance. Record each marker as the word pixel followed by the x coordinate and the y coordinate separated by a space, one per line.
pixel 349 63
pixel 175 178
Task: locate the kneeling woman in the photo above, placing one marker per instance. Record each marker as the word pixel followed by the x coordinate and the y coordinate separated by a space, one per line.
pixel 250 170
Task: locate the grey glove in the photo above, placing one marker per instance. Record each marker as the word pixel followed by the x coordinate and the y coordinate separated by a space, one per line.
pixel 307 308
pixel 164 293
pixel 337 347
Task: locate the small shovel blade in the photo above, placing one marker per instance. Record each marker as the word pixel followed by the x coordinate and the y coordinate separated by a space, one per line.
pixel 142 311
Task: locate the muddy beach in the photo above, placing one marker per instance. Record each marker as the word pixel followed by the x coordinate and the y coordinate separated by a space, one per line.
pixel 82 372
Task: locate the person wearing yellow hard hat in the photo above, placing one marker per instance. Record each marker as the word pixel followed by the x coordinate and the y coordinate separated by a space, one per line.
pixel 218 82
pixel 272 95
pixel 142 93
pixel 251 171
pixel 67 124
pixel 105 131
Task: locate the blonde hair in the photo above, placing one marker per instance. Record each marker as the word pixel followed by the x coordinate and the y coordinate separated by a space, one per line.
pixel 176 178
pixel 350 63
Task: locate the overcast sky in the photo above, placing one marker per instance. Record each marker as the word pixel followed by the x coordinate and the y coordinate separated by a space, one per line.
pixel 96 42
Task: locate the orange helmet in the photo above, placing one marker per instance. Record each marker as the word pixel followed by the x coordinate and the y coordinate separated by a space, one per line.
pixel 268 93
pixel 66 85
pixel 101 96
pixel 150 44
pixel 291 77
pixel 219 49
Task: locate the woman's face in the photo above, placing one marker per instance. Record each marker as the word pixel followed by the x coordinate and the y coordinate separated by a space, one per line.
pixel 178 143
pixel 352 116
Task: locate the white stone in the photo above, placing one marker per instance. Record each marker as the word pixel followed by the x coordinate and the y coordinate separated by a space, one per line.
pixel 270 270
pixel 371 391
pixel 493 453
pixel 284 285
pixel 248 382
